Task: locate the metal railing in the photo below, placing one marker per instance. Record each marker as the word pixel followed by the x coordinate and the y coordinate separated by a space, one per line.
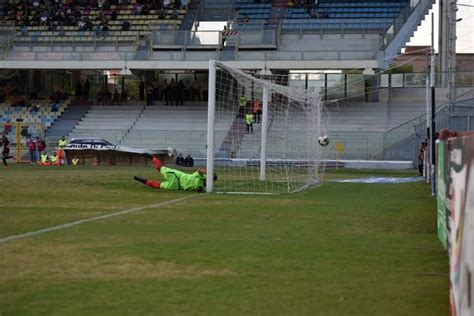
pixel 396 26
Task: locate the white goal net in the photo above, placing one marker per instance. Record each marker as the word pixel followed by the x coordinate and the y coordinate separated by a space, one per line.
pixel 262 134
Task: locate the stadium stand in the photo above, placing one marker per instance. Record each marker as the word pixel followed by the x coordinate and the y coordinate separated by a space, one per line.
pixel 371 16
pixel 64 24
pixel 44 114
pixel 183 128
pixel 110 122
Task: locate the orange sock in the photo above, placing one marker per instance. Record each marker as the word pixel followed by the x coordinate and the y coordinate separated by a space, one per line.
pixel 157 163
pixel 153 183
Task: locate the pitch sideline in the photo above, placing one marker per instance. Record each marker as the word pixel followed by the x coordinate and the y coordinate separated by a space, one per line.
pixel 131 210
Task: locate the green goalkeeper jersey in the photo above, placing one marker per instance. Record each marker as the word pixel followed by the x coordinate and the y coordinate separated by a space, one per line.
pixel 178 180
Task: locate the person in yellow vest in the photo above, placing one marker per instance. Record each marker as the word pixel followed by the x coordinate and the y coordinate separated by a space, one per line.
pixel 44 159
pixel 61 155
pixel 242 105
pixel 53 159
pixel 75 161
pixel 249 122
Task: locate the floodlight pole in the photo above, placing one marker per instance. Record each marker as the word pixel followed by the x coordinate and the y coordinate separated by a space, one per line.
pixel 210 125
pixel 263 153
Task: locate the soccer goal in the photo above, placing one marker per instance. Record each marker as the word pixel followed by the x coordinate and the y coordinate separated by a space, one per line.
pixel 262 133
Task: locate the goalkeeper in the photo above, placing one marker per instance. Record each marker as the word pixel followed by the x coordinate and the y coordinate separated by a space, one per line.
pixel 176 179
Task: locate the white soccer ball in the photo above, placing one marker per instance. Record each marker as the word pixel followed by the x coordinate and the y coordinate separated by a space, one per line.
pixel 323 140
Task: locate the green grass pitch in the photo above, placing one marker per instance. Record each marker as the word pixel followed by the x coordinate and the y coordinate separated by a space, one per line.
pixel 340 249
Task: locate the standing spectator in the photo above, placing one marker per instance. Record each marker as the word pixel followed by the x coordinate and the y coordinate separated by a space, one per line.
pixel 149 93
pixel 249 122
pixel 257 110
pixel 87 88
pixel 242 105
pixel 421 157
pixel 61 154
pixel 180 160
pixel 78 90
pixel 116 97
pixel 41 144
pixel 167 92
pixel 32 148
pixel 141 89
pixel 173 91
pixel 188 161
pixel 180 93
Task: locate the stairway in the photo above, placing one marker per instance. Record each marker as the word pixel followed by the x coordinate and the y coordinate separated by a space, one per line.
pixel 63 127
pixel 190 17
pixel 231 144
pixel 277 13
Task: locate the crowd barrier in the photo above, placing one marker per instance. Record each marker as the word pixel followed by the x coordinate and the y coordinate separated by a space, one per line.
pixel 110 157
pixel 455 195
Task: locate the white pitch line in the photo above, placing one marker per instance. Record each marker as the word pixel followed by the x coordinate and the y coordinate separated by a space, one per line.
pixel 49 229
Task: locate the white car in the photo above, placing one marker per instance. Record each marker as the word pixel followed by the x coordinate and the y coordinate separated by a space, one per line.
pixel 89 143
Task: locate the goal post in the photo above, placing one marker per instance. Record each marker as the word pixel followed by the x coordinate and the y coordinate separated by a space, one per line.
pixel 18 134
pixel 262 133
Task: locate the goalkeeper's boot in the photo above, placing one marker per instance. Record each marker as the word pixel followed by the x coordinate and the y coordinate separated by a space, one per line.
pixel 140 179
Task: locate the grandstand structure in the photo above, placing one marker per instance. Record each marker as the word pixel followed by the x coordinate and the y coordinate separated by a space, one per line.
pixel 337 46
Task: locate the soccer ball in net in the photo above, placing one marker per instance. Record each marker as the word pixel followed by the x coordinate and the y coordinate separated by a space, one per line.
pixel 323 140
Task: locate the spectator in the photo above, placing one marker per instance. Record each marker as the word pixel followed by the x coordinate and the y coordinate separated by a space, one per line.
pixel 242 105
pixel 126 25
pixel 257 110
pixel 180 93
pixel 188 161
pixel 61 154
pixel 116 97
pixel 24 30
pixel 35 108
pixel 32 149
pixel 249 122
pixel 167 92
pixel 445 134
pixel 180 160
pixel 25 133
pixel 41 144
pixel 173 91
pixel 78 90
pixel 174 14
pixel 421 157
pixel 54 107
pixel 149 93
pixel 87 88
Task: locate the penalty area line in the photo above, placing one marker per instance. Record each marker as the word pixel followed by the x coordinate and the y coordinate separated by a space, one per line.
pixel 95 218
